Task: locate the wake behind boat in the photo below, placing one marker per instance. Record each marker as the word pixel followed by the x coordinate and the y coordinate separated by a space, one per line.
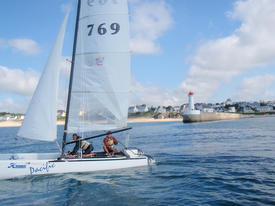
pixel 97 98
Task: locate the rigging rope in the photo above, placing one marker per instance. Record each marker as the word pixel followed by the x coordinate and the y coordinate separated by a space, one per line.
pixel 58 146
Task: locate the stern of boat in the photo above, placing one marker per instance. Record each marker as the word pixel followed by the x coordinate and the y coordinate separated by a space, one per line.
pixel 134 153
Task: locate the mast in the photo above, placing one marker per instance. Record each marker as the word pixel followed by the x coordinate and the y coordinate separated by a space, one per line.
pixel 71 80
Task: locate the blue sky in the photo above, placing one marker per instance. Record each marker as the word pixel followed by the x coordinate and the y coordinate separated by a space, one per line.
pixel 218 49
pixel 193 22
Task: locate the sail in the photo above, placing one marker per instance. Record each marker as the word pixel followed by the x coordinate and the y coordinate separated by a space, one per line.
pixel 101 74
pixel 40 120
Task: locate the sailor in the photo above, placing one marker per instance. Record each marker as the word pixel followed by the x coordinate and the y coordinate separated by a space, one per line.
pixel 86 147
pixel 109 142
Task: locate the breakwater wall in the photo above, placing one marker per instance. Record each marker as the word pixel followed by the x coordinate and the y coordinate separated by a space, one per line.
pixel 210 116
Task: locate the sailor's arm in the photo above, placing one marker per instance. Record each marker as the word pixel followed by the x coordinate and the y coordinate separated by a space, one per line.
pixel 76 147
pixel 115 141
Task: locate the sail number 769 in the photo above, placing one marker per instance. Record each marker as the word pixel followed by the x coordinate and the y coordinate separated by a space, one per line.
pixel 102 29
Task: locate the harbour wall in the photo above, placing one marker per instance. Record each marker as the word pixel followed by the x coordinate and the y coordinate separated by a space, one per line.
pixel 210 116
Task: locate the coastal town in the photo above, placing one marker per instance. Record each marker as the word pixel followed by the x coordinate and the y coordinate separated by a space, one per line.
pixel 166 112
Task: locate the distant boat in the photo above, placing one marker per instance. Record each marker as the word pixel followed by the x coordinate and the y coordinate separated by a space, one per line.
pixel 97 98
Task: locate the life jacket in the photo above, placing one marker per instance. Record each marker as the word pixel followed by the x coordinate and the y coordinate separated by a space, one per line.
pixel 84 144
pixel 111 143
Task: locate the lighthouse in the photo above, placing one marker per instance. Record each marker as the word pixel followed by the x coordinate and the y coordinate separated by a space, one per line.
pixel 190 114
pixel 191 106
pixel 191 101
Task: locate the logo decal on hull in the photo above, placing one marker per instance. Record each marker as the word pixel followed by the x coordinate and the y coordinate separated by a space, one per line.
pixel 15 166
pixel 45 168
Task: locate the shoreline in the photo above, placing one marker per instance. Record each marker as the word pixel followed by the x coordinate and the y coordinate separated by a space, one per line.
pixel 135 120
pixel 17 123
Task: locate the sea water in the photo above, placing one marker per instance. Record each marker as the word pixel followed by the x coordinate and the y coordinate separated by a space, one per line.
pixel 213 163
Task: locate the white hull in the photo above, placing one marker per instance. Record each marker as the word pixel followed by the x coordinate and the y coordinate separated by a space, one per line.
pixel 19 165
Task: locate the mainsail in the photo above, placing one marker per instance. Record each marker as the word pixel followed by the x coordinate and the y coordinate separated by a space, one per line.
pixel 40 119
pixel 100 81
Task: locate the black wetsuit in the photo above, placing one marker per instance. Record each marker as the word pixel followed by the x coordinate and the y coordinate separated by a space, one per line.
pixel 89 149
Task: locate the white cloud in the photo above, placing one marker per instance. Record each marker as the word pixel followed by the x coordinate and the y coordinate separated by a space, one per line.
pixel 20 105
pixel 261 87
pixel 25 46
pixel 24 82
pixel 154 95
pixel 144 46
pixel 249 47
pixel 149 20
pixel 9 105
pixel 18 81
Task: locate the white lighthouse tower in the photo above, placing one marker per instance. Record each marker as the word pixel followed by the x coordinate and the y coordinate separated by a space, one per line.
pixel 191 107
pixel 191 101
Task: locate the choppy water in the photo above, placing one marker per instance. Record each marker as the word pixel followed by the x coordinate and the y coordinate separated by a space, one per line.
pixel 215 163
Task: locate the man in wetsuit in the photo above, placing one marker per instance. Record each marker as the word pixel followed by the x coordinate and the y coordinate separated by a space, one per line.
pixel 109 142
pixel 86 147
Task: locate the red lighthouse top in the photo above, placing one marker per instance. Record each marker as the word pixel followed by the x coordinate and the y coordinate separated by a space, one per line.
pixel 190 93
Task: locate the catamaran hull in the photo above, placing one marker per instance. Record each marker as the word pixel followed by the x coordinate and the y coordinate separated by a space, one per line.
pixel 29 167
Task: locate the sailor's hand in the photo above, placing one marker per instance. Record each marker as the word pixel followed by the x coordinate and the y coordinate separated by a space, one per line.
pixel 70 156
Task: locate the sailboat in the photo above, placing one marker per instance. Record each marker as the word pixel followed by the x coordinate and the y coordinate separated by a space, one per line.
pixel 97 95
